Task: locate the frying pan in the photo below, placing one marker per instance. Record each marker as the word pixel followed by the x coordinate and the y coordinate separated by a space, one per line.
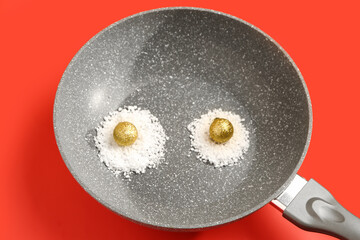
pixel 179 63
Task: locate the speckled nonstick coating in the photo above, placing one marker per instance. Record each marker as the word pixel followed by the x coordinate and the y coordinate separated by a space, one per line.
pixel 180 63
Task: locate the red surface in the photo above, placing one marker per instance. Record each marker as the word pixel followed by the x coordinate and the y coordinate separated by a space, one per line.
pixel 39 197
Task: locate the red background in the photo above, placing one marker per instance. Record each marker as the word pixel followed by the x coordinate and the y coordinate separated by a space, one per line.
pixel 39 199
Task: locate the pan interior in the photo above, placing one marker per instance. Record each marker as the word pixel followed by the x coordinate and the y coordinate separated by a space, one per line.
pixel 179 64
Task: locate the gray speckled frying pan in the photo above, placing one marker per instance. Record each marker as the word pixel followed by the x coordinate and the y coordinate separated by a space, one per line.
pixel 180 63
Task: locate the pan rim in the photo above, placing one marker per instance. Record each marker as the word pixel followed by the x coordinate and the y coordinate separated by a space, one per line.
pixel 184 227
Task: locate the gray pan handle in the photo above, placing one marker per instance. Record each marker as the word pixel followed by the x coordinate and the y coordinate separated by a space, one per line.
pixel 315 209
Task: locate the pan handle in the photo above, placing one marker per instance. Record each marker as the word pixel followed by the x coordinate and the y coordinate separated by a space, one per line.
pixel 313 208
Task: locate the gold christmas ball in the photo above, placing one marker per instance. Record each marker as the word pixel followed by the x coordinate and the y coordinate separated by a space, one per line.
pixel 125 134
pixel 221 130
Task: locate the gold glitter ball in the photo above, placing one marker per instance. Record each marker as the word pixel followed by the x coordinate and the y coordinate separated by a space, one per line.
pixel 221 130
pixel 125 134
